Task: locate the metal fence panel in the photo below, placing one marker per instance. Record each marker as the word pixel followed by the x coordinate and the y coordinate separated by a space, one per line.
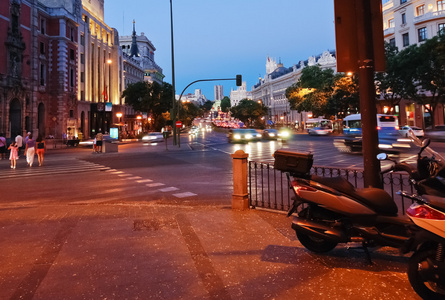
pixel 269 188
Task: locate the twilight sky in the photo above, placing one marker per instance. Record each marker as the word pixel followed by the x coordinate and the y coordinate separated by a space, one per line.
pixel 222 38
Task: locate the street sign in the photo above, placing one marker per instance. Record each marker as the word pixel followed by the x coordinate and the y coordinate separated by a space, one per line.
pixel 178 124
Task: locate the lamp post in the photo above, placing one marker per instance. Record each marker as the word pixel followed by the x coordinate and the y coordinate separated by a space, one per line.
pixel 119 116
pixel 173 77
pixel 105 92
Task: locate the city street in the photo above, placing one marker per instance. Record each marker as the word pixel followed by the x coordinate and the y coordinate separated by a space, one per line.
pixel 148 222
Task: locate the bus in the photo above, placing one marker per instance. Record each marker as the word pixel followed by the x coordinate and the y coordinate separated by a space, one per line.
pixel 352 124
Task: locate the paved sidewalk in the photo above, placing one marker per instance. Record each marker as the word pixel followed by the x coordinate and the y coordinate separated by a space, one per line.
pixel 155 251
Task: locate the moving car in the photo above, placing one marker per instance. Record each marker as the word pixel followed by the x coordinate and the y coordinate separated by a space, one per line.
pixel 270 134
pixel 243 135
pixel 89 142
pixel 438 134
pixel 153 137
pixel 416 130
pixel 319 131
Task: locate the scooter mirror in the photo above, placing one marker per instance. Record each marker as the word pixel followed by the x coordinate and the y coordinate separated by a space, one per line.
pixel 382 156
pixel 426 143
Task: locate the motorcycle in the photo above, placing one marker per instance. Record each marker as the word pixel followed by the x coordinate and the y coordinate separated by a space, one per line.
pixel 330 210
pixel 426 267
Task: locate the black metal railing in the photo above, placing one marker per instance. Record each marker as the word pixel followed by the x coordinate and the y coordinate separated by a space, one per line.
pixel 269 188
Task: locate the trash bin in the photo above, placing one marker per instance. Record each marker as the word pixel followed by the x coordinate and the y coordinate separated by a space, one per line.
pixel 109 147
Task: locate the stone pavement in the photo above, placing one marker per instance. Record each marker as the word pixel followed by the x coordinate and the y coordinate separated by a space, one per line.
pixel 158 251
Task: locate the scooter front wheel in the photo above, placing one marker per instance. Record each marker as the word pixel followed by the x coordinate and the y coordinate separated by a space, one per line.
pixel 420 272
pixel 315 244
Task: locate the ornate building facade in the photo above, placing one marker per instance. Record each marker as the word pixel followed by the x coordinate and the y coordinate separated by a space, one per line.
pixel 142 50
pixel 271 90
pixel 408 22
pixel 38 71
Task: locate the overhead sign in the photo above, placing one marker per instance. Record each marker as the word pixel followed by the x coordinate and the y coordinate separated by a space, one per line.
pixel 178 124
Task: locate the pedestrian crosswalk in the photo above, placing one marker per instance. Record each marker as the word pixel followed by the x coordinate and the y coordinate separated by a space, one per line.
pixel 51 167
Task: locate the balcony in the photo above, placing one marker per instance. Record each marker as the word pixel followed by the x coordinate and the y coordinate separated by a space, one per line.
pixel 429 16
pixel 388 31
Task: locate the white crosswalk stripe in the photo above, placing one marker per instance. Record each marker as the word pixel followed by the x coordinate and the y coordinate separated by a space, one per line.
pixel 70 166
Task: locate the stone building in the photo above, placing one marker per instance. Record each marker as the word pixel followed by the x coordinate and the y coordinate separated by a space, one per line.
pixel 142 50
pixel 38 70
pixel 271 90
pixel 406 23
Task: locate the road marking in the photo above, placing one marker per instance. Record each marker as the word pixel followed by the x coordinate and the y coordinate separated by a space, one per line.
pixel 111 170
pixel 183 195
pixel 125 175
pixel 169 189
pixel 133 178
pixel 117 172
pixel 144 180
pixel 154 184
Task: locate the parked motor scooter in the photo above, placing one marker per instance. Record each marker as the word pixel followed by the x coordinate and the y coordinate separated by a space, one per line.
pixel 331 211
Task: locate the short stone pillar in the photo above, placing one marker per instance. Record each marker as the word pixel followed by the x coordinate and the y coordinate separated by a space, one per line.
pixel 240 197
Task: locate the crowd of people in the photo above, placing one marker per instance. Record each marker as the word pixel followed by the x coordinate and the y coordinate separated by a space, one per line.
pixel 30 146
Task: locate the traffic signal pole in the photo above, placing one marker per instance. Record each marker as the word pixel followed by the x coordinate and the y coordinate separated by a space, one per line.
pixel 238 79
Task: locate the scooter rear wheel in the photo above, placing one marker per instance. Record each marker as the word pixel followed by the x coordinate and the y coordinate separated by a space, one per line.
pixel 315 244
pixel 418 276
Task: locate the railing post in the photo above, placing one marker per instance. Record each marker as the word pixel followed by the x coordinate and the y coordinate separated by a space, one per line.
pixel 240 197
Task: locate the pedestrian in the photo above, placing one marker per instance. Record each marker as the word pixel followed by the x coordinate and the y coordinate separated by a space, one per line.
pixel 94 146
pixel 2 146
pixel 19 141
pixel 41 148
pixel 27 137
pixel 99 140
pixel 30 150
pixel 13 156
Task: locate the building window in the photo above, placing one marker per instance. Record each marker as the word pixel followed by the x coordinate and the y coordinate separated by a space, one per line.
pixel 441 29
pixel 422 34
pixel 42 75
pixel 391 23
pixel 403 19
pixel 42 48
pixel 405 38
pixel 72 54
pixel 71 113
pixel 72 34
pixel 82 76
pixel 82 95
pixel 71 78
pixel 440 5
pixel 392 42
pixel 420 10
pixel 402 1
pixel 82 58
pixel 82 39
pixel 43 26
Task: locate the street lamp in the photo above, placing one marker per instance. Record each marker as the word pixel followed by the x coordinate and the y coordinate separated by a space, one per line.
pixel 173 77
pixel 105 92
pixel 119 116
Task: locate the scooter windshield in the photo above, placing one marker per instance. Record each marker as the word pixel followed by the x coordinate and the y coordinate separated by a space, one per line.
pixel 430 152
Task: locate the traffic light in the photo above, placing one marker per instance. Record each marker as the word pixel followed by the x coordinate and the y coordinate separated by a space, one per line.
pixel 239 80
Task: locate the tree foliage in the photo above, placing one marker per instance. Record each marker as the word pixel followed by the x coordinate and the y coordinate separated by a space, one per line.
pixel 249 112
pixel 323 93
pixel 187 112
pixel 225 104
pixel 150 97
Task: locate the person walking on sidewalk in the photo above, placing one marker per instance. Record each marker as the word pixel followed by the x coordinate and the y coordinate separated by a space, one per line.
pixel 99 140
pixel 30 150
pixel 2 146
pixel 13 156
pixel 41 148
pixel 19 141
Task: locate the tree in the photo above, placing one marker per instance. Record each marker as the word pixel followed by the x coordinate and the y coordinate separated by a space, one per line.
pixel 344 99
pixel 225 104
pixel 187 112
pixel 150 97
pixel 207 106
pixel 249 112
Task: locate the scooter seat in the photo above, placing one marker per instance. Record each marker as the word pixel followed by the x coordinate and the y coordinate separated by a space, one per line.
pixel 377 199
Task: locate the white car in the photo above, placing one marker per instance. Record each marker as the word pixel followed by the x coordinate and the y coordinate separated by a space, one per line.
pixel 153 137
pixel 416 130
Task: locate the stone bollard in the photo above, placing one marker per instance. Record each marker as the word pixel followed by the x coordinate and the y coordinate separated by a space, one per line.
pixel 240 197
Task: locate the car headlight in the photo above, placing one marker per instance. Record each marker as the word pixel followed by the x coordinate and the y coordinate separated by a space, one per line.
pixel 237 137
pixel 284 134
pixel 248 136
pixel 272 134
